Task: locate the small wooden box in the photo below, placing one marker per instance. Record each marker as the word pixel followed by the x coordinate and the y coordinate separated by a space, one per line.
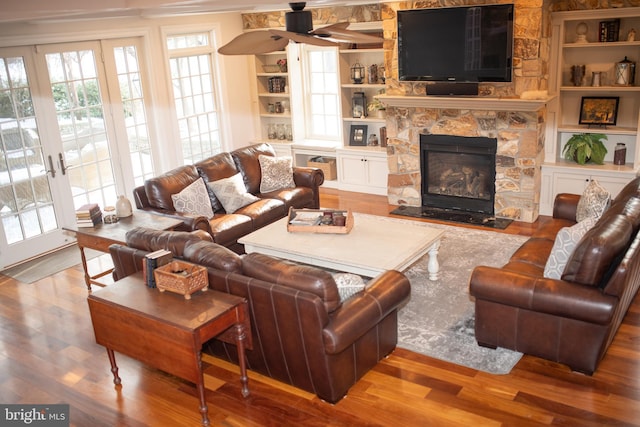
pixel 328 166
pixel 325 229
pixel 181 277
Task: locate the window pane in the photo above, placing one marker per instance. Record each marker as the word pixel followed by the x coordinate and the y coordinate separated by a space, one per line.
pixel 321 84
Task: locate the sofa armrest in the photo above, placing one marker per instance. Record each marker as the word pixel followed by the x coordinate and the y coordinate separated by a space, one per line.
pixel 550 296
pixel 384 294
pixel 565 206
pixel 126 260
pixel 308 177
pixel 189 222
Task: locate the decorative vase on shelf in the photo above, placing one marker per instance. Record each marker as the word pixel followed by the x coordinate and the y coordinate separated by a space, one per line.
pixel 123 207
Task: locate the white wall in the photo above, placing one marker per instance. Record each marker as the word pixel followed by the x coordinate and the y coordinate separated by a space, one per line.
pixel 238 121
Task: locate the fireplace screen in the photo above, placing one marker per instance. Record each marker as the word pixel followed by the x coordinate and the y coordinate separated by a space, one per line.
pixel 458 172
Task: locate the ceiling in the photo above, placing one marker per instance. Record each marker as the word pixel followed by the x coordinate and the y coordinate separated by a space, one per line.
pixel 65 10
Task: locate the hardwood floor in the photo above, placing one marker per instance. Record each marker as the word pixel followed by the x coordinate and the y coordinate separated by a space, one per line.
pixel 48 355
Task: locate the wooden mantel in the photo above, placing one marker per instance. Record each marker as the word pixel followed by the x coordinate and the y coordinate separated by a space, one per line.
pixel 464 102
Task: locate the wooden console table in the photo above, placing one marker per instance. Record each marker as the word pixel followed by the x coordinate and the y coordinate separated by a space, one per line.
pixel 103 235
pixel 166 331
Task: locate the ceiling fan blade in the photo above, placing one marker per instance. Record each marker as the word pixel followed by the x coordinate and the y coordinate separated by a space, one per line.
pixel 339 32
pixel 254 42
pixel 302 38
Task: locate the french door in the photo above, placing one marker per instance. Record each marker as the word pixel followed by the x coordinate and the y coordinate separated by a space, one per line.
pixel 73 130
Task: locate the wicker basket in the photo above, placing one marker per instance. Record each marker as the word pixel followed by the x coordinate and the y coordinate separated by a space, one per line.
pixel 182 278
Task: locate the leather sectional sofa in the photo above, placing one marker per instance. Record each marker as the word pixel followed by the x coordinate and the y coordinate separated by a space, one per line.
pixel 302 333
pixel 226 228
pixel 571 320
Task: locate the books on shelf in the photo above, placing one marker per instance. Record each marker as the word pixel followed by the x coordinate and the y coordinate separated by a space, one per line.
pixel 88 215
pixel 152 261
pixel 609 31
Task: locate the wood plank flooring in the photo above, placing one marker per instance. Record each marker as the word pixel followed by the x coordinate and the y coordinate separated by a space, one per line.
pixel 48 355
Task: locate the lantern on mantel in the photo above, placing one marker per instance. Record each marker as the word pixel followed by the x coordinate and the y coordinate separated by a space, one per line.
pixel 357 73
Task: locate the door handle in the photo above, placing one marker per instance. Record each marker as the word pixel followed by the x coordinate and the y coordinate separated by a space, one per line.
pixel 63 169
pixel 51 169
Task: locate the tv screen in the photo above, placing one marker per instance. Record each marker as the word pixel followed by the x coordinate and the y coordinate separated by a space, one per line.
pixel 456 44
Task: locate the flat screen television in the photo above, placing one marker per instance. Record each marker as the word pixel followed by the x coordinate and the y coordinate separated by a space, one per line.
pixel 456 44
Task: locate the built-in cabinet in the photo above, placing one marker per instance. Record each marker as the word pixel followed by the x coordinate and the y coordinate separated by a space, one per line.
pixel 363 170
pixel 359 168
pixel 568 50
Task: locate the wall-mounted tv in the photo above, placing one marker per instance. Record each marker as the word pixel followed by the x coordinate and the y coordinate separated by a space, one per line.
pixel 456 44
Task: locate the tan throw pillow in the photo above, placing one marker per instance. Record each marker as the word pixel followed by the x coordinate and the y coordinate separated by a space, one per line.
pixel 277 173
pixel 193 200
pixel 232 193
pixel 593 202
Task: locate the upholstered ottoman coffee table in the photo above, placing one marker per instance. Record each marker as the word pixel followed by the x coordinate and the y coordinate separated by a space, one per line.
pixel 375 244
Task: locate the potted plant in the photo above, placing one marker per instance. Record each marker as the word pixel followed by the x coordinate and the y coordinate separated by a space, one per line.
pixel 585 147
pixel 376 106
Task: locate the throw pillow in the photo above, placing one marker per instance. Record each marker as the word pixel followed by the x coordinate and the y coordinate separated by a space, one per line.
pixel 232 193
pixel 277 173
pixel 348 284
pixel 593 202
pixel 193 200
pixel 564 245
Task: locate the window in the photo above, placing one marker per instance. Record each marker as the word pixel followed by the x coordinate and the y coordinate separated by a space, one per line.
pixel 134 111
pixel 192 80
pixel 321 87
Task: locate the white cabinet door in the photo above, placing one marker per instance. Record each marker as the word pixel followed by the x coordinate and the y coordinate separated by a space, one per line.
pixel 576 183
pixel 353 170
pixel 563 181
pixel 378 170
pixel 365 172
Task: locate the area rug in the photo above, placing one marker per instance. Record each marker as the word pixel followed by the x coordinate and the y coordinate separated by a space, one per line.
pixel 438 321
pixel 46 265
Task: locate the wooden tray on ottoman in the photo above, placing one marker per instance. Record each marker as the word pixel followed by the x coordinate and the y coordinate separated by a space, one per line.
pixel 326 229
pixel 181 277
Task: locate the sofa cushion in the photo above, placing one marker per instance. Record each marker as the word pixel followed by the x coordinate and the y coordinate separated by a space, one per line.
pixel 159 189
pixel 215 168
pixel 232 193
pixel 565 242
pixel 213 255
pixel 246 160
pixel 193 200
pixel 594 201
pixel 277 173
pixel 595 253
pixel 301 277
pixel 226 229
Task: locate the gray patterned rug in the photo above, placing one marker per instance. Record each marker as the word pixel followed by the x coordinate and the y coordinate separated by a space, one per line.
pixel 438 321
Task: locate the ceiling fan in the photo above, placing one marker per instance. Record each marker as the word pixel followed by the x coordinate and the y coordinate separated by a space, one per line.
pixel 299 28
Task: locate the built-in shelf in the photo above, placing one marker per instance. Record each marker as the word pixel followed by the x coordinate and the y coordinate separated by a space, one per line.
pixel 609 130
pixel 465 102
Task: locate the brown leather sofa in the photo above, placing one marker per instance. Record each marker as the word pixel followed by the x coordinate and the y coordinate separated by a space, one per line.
pixel 226 228
pixel 572 320
pixel 302 333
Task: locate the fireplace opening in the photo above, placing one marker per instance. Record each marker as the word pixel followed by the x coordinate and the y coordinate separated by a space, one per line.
pixel 458 172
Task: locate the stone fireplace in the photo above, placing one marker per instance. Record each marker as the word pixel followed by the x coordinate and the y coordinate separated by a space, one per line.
pixel 517 125
pixel 458 172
